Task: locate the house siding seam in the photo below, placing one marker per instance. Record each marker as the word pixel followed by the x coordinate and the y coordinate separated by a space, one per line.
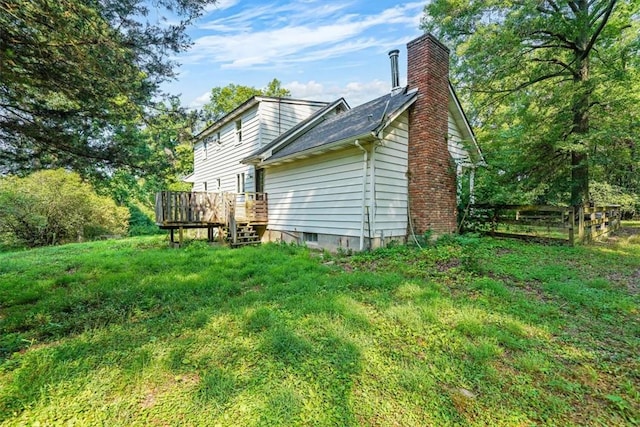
pixel 432 179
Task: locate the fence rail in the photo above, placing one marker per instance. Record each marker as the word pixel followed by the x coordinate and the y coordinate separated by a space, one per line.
pixel 569 224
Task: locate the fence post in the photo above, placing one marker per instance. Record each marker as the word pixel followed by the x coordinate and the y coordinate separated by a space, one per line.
pixel 572 225
pixel 581 223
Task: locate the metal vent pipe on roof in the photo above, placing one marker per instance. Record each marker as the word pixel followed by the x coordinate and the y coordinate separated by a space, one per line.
pixel 395 74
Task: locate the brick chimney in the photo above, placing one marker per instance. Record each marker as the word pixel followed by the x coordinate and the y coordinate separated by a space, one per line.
pixel 432 179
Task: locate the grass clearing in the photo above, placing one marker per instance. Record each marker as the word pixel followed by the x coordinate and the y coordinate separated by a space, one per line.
pixel 468 331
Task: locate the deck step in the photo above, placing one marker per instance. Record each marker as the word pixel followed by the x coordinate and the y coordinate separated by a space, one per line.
pixel 245 235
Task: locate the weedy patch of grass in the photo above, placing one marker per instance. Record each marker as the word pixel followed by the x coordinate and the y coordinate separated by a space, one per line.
pixel 466 331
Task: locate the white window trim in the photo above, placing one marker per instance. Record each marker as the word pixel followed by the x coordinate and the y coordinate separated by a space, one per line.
pixel 240 183
pixel 238 131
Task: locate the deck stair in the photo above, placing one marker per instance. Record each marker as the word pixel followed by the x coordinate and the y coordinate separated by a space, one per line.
pixel 245 235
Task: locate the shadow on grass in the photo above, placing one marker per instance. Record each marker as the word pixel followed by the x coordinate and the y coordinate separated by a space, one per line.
pixel 153 310
pixel 272 331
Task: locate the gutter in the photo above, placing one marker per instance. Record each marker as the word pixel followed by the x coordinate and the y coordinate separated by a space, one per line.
pixel 310 151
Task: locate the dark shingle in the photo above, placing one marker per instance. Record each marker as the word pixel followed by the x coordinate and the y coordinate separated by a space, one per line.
pixel 358 121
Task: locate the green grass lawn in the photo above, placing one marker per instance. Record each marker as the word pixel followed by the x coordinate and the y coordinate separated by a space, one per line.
pixel 468 331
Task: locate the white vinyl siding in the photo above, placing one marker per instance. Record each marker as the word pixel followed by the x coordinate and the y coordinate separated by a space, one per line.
pixel 391 184
pixel 322 194
pixel 279 117
pixel 258 125
pixel 224 162
pixel 456 148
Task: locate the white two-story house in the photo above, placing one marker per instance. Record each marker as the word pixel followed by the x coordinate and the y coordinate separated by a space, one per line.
pixel 341 177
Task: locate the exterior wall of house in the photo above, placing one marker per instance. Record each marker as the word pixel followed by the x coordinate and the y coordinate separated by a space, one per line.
pixel 279 117
pixel 321 195
pixel 457 149
pixel 222 160
pixel 432 177
pixel 260 126
pixel 391 162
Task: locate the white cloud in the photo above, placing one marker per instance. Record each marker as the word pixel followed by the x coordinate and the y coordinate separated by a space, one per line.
pixel 355 93
pixel 201 100
pixel 221 5
pixel 309 90
pixel 258 36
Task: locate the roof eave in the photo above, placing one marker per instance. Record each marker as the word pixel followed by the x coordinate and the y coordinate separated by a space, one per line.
pixel 469 130
pixel 332 146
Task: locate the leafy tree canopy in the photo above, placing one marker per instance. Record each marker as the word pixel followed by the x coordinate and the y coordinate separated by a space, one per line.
pixel 79 77
pixel 225 99
pixel 553 87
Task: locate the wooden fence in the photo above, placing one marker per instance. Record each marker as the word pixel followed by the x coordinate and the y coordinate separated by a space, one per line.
pixel 556 223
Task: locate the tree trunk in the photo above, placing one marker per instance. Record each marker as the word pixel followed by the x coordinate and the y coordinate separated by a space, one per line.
pixel 580 156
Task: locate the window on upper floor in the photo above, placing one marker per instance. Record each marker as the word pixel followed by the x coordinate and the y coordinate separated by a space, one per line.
pixel 240 183
pixel 238 131
pixel 218 141
pixel 205 149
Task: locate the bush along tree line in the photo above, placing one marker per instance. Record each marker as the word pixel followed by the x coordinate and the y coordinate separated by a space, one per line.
pixel 553 90
pixel 56 206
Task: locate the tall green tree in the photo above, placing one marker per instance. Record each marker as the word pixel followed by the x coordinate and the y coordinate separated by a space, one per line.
pixel 77 77
pixel 225 99
pixel 553 84
pixel 167 136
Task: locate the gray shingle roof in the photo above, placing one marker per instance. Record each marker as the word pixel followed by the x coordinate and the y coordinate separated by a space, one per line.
pixel 294 129
pixel 353 123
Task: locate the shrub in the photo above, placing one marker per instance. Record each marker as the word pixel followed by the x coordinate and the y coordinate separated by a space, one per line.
pixel 140 222
pixel 56 206
pixel 602 193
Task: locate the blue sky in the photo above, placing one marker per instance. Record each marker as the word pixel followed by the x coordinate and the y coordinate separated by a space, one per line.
pixel 319 50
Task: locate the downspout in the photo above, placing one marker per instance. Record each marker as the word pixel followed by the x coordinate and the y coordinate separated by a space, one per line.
pixel 372 183
pixel 372 195
pixel 472 179
pixel 364 193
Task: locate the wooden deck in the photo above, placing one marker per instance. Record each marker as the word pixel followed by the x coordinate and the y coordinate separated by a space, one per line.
pixel 233 214
pixel 176 209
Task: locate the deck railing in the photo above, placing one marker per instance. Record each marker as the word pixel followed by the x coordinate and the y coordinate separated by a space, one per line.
pixel 205 209
pixel 569 224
